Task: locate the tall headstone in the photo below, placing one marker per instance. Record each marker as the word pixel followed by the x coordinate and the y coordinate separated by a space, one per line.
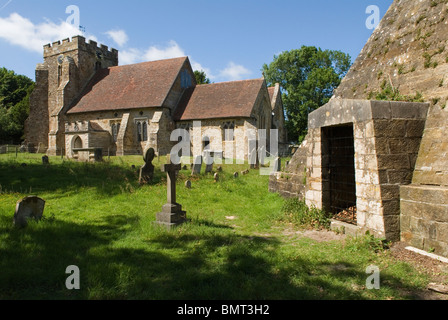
pixel 253 155
pixel 277 165
pixel 172 214
pixel 197 165
pixel 147 170
pixel 31 207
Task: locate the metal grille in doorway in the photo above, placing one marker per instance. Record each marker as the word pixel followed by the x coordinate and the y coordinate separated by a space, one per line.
pixel 339 168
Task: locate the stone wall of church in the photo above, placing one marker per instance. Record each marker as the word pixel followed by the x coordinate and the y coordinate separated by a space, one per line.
pixel 130 144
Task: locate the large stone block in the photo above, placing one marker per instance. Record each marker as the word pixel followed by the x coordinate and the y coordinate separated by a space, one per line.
pixel 425 194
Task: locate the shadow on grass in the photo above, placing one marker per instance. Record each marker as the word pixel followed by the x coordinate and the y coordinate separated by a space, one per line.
pixel 210 263
pixel 106 178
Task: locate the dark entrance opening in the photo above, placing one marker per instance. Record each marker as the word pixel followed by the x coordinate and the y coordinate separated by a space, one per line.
pixel 338 172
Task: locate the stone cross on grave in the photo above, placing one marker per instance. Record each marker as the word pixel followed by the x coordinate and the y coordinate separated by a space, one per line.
pixel 172 214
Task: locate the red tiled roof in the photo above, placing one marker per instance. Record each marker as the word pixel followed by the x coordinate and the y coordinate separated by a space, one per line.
pixel 234 99
pixel 128 87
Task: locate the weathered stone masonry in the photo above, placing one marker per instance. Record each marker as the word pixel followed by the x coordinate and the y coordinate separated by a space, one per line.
pixel 386 138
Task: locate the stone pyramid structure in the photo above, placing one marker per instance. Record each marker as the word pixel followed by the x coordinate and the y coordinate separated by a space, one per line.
pixel 400 146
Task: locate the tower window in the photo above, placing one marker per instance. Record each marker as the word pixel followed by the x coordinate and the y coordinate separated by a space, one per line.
pixel 98 65
pixel 59 75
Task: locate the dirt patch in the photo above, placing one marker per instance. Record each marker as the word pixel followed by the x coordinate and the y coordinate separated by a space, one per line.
pixel 322 235
pixel 316 235
pixel 436 270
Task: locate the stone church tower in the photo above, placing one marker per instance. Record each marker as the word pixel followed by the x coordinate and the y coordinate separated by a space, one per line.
pixel 68 66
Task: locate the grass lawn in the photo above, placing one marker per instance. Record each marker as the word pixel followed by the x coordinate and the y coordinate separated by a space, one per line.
pixel 235 247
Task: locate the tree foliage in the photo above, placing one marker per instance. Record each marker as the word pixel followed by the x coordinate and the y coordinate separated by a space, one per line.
pixel 15 91
pixel 201 77
pixel 308 77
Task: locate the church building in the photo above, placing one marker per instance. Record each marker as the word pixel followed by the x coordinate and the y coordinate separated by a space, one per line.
pixel 84 101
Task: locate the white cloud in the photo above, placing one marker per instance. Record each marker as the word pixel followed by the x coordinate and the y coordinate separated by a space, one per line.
pixel 234 71
pixel 118 36
pixel 173 50
pixel 20 31
pixel 130 56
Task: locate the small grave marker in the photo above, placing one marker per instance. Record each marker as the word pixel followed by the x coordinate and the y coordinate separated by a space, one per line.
pixel 31 207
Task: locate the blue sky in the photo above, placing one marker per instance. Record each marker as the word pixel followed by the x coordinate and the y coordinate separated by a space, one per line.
pixel 229 39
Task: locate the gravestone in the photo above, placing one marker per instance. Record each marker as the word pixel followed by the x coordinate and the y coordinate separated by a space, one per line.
pixel 188 184
pixel 45 160
pixel 197 165
pixel 30 207
pixel 216 177
pixel 277 165
pixel 98 155
pixel 147 170
pixel 209 168
pixel 172 214
pixel 31 148
pixel 236 175
pixel 253 158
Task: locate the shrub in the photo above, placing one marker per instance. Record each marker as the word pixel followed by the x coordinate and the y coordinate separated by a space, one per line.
pixel 297 212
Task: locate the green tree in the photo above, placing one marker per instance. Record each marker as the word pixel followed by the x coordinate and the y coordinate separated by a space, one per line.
pixel 15 91
pixel 201 77
pixel 308 77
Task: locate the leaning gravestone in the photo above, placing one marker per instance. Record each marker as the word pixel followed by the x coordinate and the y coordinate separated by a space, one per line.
pixel 30 207
pixel 197 165
pixel 147 170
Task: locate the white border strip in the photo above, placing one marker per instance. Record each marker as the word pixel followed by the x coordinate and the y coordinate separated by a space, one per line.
pixel 431 255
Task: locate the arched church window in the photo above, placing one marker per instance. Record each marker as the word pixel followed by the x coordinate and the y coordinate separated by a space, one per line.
pixel 115 131
pixel 145 131
pixel 142 131
pixel 229 131
pixel 78 143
